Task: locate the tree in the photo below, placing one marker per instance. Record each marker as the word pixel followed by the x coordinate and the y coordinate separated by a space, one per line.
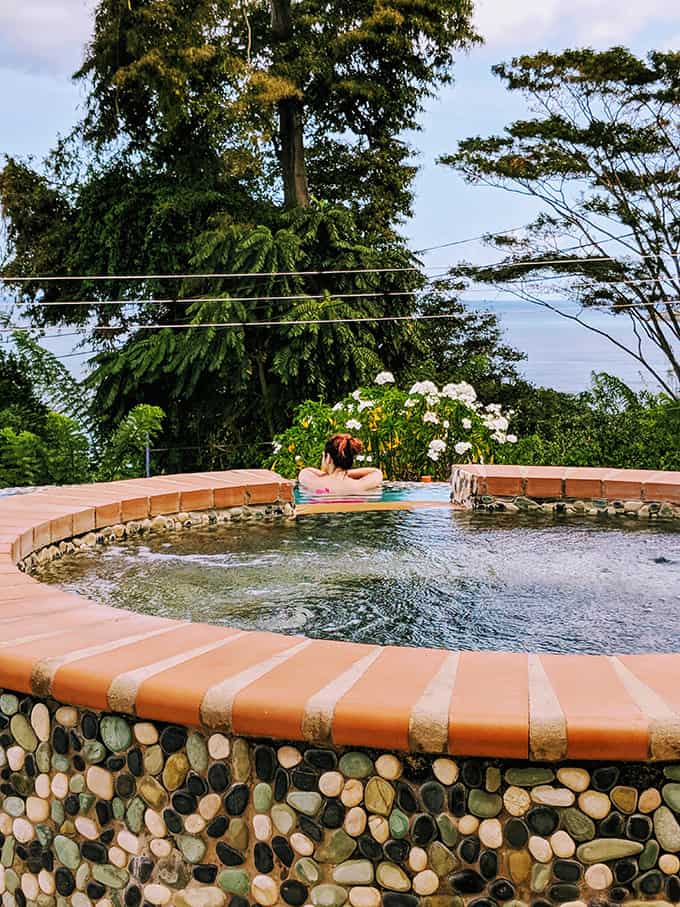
pixel 602 155
pixel 123 454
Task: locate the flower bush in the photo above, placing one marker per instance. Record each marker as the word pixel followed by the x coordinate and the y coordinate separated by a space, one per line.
pixel 406 434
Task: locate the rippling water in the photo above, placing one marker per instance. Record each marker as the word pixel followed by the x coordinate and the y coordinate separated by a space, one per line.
pixel 427 578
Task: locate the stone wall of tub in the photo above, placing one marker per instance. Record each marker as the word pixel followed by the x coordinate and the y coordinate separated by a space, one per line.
pixel 106 810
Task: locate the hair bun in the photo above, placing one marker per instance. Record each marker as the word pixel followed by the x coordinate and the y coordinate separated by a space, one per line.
pixel 356 445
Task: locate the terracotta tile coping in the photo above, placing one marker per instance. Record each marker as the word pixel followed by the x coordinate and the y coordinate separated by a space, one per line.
pixel 509 705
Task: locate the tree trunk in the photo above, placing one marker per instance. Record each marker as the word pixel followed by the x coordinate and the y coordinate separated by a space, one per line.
pixel 292 153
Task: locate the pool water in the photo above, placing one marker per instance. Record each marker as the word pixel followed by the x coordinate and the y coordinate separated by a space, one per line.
pixel 390 491
pixel 432 577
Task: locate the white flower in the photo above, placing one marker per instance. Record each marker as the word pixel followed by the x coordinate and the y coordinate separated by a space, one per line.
pixel 276 446
pixel 353 424
pixel 432 399
pixel 511 439
pixel 462 447
pixel 446 423
pixel 384 378
pixel 499 436
pixel 493 407
pixel 410 403
pixel 298 459
pixel 369 459
pixel 424 388
pixel 365 404
pixel 467 424
pixel 356 394
pixel 433 454
pixel 438 445
pixel 500 423
pixel 464 392
pixel 337 407
pixel 360 458
pixel 431 417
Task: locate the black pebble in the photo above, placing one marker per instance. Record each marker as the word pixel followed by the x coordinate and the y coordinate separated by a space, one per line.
pixel 89 725
pixel 482 902
pixel 95 890
pixel 468 850
pixel 311 828
pixel 543 820
pixel 563 892
pixel 471 773
pixel 218 777
pixel 603 779
pixel 135 763
pixel 294 893
pixel 79 763
pixel 93 851
pixel 618 894
pixel 173 739
pixel 467 881
pixel 625 871
pixel 20 898
pixel 612 826
pixel 406 798
pixel 333 814
pixel 29 766
pixel 305 779
pixel 369 848
pixel 488 864
pixel 34 864
pixel 125 786
pixel 567 870
pixel 324 760
pixel 206 873
pixel 433 796
pixel 650 882
pixel 64 881
pixel 265 763
pixel 174 823
pixel 639 828
pixel 236 800
pixel 502 890
pixel 516 833
pixel 21 852
pixel 141 868
pixel 458 800
pixel 229 855
pixel 673 889
pixel 541 903
pixel 424 830
pixel 60 740
pixel 115 763
pixel 396 899
pixel 396 851
pixel 47 860
pixel 184 802
pixel 281 784
pixel 106 837
pixel 133 896
pixel 217 827
pixel 72 805
pixel 283 850
pixel 196 785
pixel 238 901
pixel 76 742
pixel 263 857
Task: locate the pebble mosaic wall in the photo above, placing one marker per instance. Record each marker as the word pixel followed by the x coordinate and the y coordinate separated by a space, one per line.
pixel 109 811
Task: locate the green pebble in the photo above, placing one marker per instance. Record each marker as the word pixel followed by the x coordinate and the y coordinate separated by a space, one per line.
pixel 671 795
pixel 197 753
pixel 134 815
pixel 60 763
pixel 193 849
pixel 110 876
pixel 43 756
pixel 540 876
pixel 530 776
pixel 7 852
pixel 447 830
pixel 441 860
pixel 15 806
pixel 398 823
pixel 22 784
pixel 355 765
pixel 9 704
pixel 118 808
pixel 603 849
pixel 45 900
pixel 77 784
pixel 62 902
pixel 57 812
pixel 307 870
pixel 94 752
pixel 354 872
pixel 649 855
pixel 11 881
pixel 23 733
pixel 328 895
pixel 379 796
pixel 86 801
pixel 237 834
pixel 153 760
pixel 240 760
pixel 667 829
pixel 284 818
pixel 152 792
pixel 339 847
pixel 67 852
pixel 262 797
pixel 82 876
pixel 672 772
pixel 306 802
pixel 580 826
pixel 484 805
pixel 235 881
pixel 116 733
pixel 44 834
pixel 493 779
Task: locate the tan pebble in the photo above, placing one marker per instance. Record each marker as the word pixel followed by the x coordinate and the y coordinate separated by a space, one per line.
pixel 5 824
pixel 379 828
pixel 209 806
pixel 262 827
pixel 302 844
pixel 331 784
pixel 218 746
pixel 355 821
pixel 540 849
pixel 29 886
pixel 468 825
pixel 516 801
pixel 80 899
pixel 519 864
pixel 289 756
pixel 426 882
pixel 145 733
pixel 445 770
pixel 104 902
pixel 100 782
pixel 86 827
pixel 160 847
pixel 491 833
pixel 388 766
pixel 624 798
pixel 40 721
pixel 352 793
pixel 417 859
pixel 118 857
pixel 16 756
pixel 42 786
pixel 594 804
pixel 576 779
pixel 128 841
pixel 60 786
pixel 46 882
pixel 598 876
pixel 650 800
pixel 66 716
pixel 23 831
pixel 562 844
pixel 157 894
pixel 264 890
pixel 194 824
pixel 552 796
pixel 37 810
pixel 155 823
pixel 364 896
pixel 669 864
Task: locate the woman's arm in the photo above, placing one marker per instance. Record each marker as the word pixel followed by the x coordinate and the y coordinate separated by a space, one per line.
pixel 370 478
pixel 360 473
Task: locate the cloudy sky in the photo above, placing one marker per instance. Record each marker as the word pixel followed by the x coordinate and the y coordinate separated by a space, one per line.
pixel 41 44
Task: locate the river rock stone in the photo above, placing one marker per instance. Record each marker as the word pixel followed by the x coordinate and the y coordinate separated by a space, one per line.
pixel 328 895
pixel 338 848
pixel 379 796
pixel 392 877
pixel 484 805
pixel 354 872
pixel 667 829
pixel 530 776
pixel 602 850
pixel 306 802
pixel 116 733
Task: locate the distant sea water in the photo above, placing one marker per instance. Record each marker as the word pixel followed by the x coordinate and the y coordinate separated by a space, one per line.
pixel 562 354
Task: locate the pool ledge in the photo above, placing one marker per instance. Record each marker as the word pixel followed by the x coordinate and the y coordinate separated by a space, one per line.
pixel 61 646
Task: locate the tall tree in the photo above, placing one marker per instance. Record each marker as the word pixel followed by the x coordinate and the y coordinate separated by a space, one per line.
pixel 602 155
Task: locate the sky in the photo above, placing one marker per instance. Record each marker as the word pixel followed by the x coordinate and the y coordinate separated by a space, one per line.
pixel 42 42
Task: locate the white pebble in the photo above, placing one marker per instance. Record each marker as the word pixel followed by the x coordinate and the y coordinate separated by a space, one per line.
pixel 594 804
pixel 552 796
pixel 16 756
pixel 426 882
pixel 66 716
pixel 160 847
pixel 100 782
pixel 29 886
pixel 23 830
pixel 218 746
pixel 128 841
pixel 157 894
pixel 5 824
pixel 87 828
pixel 264 890
pixel 46 882
pixel 540 849
pixel 118 857
pixel 42 786
pixel 364 896
pixel 355 821
pixel 262 827
pixel 209 806
pixel 194 824
pixel 598 876
pixel 445 770
pixel 37 810
pixel 669 864
pixel 302 844
pixel 491 833
pixel 576 779
pixel 352 793
pixel 60 786
pixel 388 766
pixel 563 845
pixel 380 828
pixel 288 756
pixel 155 823
pixel 516 801
pixel 40 721
pixel 145 733
pixel 468 825
pixel 80 899
pixel 417 859
pixel 331 784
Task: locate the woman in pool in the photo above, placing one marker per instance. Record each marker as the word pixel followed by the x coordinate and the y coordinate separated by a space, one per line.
pixel 336 475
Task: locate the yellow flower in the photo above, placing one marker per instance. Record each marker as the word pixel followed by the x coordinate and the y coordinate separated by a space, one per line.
pixel 305 423
pixel 291 447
